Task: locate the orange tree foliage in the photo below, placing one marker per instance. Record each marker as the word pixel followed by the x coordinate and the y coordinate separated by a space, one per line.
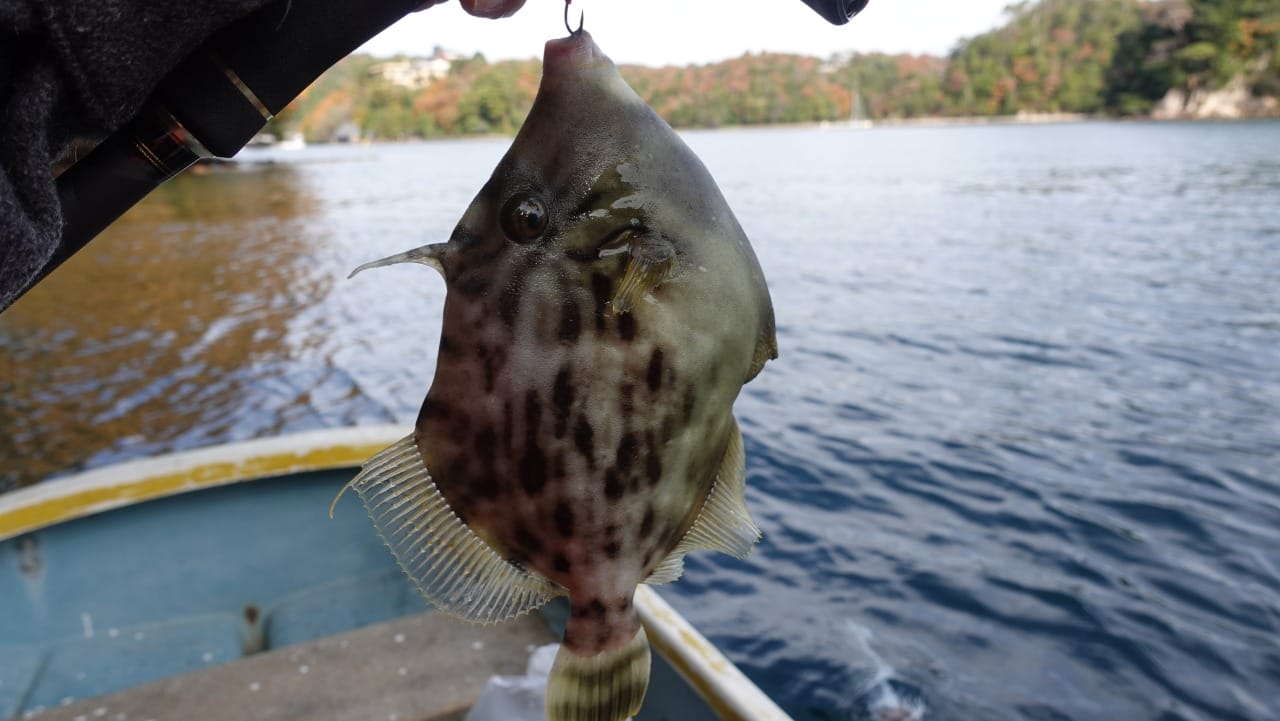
pixel 1084 56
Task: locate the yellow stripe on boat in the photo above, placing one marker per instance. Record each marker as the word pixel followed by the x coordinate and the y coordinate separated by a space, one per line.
pixel 84 494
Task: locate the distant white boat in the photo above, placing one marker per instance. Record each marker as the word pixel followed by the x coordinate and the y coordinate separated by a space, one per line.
pixel 858 117
pixel 292 141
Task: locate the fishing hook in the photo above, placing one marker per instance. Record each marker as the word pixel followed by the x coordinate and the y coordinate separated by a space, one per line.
pixel 567 26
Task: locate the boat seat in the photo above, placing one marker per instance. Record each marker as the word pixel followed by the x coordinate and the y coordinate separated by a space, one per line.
pixel 423 667
pixel 105 660
pixel 340 605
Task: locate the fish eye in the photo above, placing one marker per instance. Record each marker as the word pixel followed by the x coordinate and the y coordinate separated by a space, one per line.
pixel 524 218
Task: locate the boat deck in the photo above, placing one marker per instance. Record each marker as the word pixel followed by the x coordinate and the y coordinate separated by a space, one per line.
pixel 426 667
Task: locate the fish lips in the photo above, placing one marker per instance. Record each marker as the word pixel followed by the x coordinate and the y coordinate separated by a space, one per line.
pixel 569 55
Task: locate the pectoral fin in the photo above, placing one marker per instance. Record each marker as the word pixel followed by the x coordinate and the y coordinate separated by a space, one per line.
pixel 653 259
pixel 452 566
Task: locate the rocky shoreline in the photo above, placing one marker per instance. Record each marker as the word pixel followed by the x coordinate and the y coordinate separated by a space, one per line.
pixel 1230 102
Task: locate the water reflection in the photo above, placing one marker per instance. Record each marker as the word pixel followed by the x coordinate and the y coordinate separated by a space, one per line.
pixel 154 323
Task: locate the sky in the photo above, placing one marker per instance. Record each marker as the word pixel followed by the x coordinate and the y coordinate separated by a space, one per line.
pixel 680 32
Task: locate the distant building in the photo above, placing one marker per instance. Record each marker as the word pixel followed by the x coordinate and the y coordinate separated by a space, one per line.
pixel 346 133
pixel 415 72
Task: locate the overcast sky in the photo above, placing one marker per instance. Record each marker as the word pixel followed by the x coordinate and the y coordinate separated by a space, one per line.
pixel 662 32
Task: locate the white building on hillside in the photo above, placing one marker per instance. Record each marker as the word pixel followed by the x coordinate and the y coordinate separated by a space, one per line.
pixel 415 72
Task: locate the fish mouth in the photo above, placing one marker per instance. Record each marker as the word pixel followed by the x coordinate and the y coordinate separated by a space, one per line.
pixel 565 55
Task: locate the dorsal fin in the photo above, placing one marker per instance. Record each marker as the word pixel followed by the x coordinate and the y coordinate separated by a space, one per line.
pixel 453 567
pixel 723 524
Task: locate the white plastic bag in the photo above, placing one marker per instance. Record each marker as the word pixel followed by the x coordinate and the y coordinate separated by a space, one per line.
pixel 517 698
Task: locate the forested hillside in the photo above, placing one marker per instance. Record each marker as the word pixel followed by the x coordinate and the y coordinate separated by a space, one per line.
pixel 1118 57
pixel 1196 47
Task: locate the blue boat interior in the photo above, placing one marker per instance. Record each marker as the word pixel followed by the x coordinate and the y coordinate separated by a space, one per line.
pixel 175 585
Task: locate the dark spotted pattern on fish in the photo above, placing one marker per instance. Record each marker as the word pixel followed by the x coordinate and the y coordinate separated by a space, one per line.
pixel 580 430
pixel 595 620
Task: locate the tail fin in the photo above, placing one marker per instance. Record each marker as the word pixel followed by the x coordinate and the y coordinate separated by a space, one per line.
pixel 609 686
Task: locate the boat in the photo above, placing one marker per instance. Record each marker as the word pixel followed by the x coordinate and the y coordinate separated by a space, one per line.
pixel 858 117
pixel 212 584
pixel 292 141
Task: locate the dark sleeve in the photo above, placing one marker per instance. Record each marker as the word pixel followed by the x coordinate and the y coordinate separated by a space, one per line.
pixel 77 68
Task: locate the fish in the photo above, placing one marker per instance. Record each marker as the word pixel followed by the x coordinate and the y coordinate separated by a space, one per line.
pixel 603 309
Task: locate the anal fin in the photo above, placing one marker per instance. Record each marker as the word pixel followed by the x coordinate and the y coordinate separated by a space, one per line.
pixel 723 524
pixel 453 567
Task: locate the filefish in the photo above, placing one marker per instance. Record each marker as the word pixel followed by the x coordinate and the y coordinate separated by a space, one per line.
pixel 603 309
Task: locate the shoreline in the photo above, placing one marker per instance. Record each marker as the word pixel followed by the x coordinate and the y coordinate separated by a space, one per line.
pixel 1019 119
pixel 918 122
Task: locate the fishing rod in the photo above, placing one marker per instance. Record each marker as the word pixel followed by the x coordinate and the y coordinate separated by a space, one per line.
pixel 223 94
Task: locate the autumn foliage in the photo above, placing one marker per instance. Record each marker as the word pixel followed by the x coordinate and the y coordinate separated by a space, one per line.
pixel 1080 56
